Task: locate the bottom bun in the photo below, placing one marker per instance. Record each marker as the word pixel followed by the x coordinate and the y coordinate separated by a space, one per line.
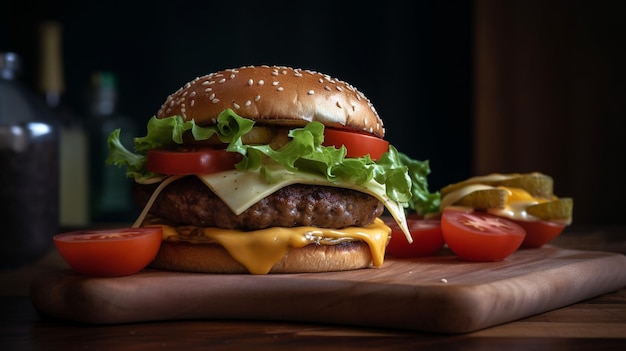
pixel 213 258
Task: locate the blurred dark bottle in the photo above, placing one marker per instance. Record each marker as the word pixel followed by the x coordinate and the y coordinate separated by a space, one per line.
pixel 74 208
pixel 29 168
pixel 110 190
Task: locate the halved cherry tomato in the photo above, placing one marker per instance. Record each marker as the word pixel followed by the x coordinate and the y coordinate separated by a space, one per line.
pixel 479 236
pixel 196 161
pixel 539 233
pixel 357 144
pixel 107 253
pixel 426 234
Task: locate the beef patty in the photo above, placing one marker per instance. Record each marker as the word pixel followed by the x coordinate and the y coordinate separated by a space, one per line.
pixel 189 201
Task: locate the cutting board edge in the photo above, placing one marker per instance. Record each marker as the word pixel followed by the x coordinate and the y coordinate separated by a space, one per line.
pixel 428 323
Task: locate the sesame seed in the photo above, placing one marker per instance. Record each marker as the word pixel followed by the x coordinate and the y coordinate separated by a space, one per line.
pixel 215 101
pixel 185 93
pixel 206 82
pixel 250 82
pixel 261 82
pixel 192 94
pixel 212 96
pixel 310 92
pixel 257 98
pixel 192 103
pixel 327 88
pixel 275 73
pixel 207 90
pixel 236 105
pixel 339 88
pixel 221 80
pixel 284 71
pixel 187 86
pixel 280 89
pixel 444 280
pixel 248 103
pixel 320 80
pixel 275 83
pixel 232 76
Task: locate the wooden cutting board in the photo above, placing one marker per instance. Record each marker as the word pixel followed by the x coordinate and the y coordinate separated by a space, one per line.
pixel 435 294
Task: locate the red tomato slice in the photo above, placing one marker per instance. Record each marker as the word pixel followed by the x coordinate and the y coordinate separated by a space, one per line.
pixel 357 144
pixel 107 253
pixel 198 161
pixel 426 234
pixel 539 233
pixel 480 236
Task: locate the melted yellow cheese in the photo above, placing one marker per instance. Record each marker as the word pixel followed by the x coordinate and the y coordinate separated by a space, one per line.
pixel 259 250
pixel 517 201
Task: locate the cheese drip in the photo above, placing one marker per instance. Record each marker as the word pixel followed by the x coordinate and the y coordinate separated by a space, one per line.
pixel 259 250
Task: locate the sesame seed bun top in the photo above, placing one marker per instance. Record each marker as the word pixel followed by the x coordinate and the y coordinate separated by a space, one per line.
pixel 275 95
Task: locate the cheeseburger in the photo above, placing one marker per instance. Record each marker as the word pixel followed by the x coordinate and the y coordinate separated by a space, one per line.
pixel 270 169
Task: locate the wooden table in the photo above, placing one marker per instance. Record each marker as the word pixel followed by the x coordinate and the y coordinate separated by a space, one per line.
pixel 597 323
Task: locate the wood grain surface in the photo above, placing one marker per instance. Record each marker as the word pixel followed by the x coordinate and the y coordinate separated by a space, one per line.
pixel 437 294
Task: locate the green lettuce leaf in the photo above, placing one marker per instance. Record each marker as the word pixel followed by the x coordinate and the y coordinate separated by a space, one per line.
pixel 404 178
pixel 422 201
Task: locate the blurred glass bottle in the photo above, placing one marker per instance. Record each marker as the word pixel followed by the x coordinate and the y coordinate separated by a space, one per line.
pixel 74 210
pixel 28 169
pixel 110 190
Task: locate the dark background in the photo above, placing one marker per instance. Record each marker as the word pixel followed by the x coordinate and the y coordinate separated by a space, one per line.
pixel 475 86
pixel 412 59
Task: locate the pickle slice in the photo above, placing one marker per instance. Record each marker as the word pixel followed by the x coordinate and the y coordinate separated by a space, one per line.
pixel 483 199
pixel 558 209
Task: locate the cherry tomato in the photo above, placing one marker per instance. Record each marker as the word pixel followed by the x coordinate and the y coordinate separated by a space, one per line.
pixel 539 233
pixel 357 144
pixel 479 236
pixel 197 161
pixel 107 253
pixel 426 234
